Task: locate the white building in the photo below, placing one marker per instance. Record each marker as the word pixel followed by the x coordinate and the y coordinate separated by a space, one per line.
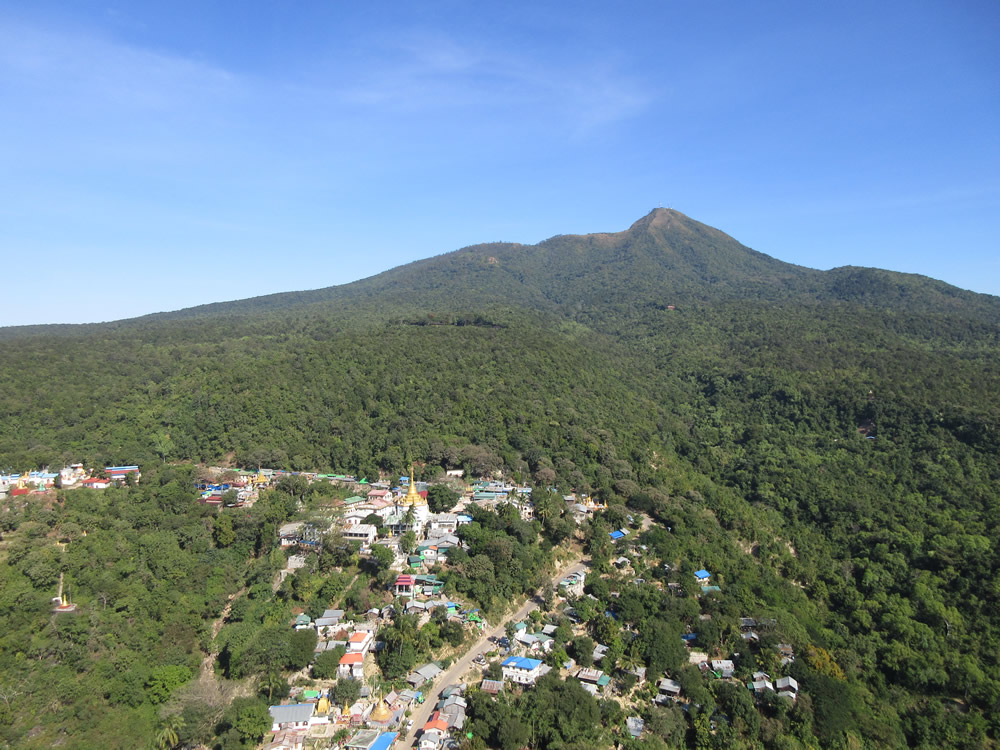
pixel 365 533
pixel 521 670
pixel 360 641
pixel 295 716
pixel 724 667
pixel 352 665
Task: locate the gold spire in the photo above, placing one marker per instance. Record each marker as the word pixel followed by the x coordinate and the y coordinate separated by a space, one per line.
pixel 381 713
pixel 412 496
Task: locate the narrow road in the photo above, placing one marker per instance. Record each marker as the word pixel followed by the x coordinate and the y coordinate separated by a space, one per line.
pixel 455 672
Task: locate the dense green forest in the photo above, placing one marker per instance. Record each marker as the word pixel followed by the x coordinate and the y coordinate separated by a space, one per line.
pixel 828 440
pixel 146 570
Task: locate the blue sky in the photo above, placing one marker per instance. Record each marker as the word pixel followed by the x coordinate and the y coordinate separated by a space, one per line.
pixel 160 155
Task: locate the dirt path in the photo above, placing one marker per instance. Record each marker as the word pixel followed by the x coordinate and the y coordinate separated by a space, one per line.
pixel 455 672
pixel 208 663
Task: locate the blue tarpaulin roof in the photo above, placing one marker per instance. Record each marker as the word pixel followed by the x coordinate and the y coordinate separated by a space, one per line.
pixel 700 574
pixel 521 662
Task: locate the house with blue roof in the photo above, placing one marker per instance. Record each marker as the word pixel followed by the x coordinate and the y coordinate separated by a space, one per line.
pixel 522 670
pixel 702 575
pixel 384 741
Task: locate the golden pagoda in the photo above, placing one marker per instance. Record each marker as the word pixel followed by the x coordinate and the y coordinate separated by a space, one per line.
pixel 323 706
pixel 381 714
pixel 63 604
pixel 412 496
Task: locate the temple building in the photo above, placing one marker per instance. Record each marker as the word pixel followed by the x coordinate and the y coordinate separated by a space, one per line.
pixel 412 512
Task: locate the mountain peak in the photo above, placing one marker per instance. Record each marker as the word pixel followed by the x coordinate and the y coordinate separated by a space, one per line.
pixel 662 218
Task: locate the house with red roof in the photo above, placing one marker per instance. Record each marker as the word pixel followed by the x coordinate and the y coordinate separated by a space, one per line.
pixel 352 665
pixel 436 722
pixel 360 642
pixel 404 585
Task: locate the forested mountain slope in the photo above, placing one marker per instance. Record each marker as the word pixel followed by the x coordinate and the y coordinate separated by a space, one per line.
pixel 851 415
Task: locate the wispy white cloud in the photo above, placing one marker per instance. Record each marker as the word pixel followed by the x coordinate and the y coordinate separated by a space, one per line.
pixel 419 71
pixel 98 94
pixel 85 69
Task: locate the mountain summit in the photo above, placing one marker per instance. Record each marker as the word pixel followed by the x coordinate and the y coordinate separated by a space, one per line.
pixel 665 257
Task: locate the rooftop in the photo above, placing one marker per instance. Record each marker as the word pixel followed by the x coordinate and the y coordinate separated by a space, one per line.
pixel 384 741
pixel 291 714
pixel 521 662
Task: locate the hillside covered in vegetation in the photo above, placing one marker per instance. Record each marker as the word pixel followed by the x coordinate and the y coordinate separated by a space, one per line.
pixel 830 437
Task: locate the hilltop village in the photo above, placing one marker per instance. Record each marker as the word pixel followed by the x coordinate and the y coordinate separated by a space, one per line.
pixel 466 611
pixel 574 626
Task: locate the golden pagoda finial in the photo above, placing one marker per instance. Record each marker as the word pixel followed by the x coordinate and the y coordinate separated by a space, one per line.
pixel 412 496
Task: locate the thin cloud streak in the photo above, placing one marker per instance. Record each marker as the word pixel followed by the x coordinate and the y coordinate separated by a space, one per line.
pixel 102 73
pixel 429 72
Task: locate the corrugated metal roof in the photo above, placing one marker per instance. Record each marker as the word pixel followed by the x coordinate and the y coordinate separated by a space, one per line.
pixel 294 713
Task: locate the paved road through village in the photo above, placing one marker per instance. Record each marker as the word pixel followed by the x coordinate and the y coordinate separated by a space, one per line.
pixel 455 672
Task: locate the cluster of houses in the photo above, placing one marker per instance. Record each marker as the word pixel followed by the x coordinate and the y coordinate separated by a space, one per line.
pixel 397 515
pixel 397 512
pixel 69 477
pixel 375 722
pixel 404 509
pixel 397 506
pixel 316 719
pixel 356 638
pixel 583 508
pixel 374 719
pixel 425 607
pixel 669 690
pixel 248 484
pixel 539 642
pixel 523 665
pixel 241 487
pixel 446 722
pixel 488 495
pixel 241 491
